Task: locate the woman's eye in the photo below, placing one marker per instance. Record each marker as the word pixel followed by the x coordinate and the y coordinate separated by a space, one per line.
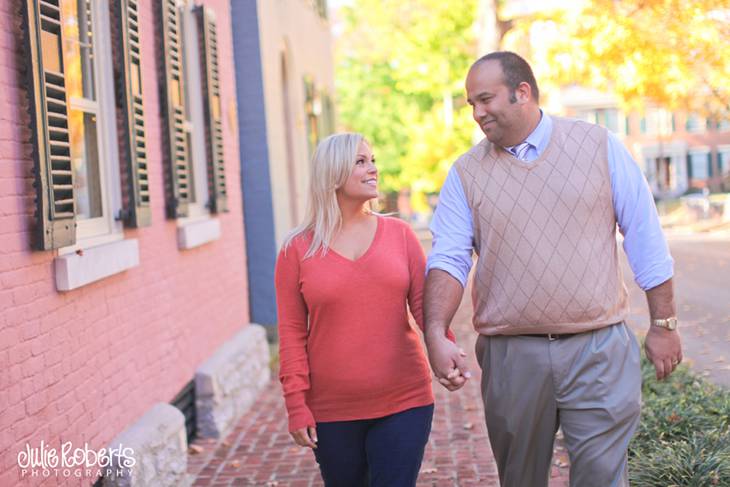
pixel 360 162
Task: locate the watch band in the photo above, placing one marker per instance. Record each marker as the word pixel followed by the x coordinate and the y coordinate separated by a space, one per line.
pixel 668 323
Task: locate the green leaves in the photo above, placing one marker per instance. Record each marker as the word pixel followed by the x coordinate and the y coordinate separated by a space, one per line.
pixel 684 435
pixel 400 67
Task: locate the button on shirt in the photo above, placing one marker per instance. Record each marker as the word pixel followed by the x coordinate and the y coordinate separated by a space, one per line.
pixel 636 215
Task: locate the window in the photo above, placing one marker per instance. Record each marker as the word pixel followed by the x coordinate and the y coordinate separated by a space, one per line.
pixel 194 118
pixel 91 118
pixel 699 163
pixel 694 123
pixel 312 111
pixel 657 122
pixel 723 160
pixel 327 120
pixel 321 7
pixel 75 56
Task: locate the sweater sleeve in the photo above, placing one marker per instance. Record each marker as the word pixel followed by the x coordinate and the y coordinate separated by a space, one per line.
pixel 417 269
pixel 294 363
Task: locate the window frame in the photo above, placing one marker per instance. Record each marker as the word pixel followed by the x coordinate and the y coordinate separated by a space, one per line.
pixel 106 228
pixel 198 206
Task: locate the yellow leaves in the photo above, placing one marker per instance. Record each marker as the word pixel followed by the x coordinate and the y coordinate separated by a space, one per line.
pixel 659 51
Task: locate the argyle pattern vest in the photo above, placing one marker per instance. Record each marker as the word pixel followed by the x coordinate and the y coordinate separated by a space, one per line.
pixel 545 235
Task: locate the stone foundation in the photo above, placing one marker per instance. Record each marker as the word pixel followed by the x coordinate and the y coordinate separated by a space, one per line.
pixel 154 451
pixel 227 384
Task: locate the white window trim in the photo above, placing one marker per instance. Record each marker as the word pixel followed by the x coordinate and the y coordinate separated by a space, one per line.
pixel 196 232
pixel 95 263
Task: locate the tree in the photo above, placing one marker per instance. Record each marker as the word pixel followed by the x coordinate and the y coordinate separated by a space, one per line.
pixel 670 53
pixel 400 74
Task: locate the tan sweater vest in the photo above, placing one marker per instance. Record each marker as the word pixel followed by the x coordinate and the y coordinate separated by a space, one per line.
pixel 545 234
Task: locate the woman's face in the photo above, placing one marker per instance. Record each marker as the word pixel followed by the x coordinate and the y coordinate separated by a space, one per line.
pixel 362 185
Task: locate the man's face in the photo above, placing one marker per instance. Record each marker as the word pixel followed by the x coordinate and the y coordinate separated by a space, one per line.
pixel 500 118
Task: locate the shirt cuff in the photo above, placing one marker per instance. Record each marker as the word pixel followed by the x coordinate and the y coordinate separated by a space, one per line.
pixel 299 414
pixel 453 270
pixel 655 275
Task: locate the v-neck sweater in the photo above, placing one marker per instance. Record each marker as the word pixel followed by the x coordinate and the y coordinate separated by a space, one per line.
pixel 347 350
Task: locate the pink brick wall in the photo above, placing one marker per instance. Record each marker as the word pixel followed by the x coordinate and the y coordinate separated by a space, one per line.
pixel 83 365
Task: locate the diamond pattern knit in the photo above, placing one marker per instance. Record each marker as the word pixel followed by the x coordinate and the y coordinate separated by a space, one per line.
pixel 545 233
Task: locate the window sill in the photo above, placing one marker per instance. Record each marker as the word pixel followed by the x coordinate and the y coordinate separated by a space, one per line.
pixel 94 263
pixel 196 233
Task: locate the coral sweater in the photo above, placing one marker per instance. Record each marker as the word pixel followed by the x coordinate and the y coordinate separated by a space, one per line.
pixel 346 348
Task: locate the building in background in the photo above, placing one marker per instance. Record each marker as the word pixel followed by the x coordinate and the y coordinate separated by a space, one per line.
pixel 678 152
pixel 123 301
pixel 285 76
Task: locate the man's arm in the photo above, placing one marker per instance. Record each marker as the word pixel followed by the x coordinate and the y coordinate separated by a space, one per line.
pixel 442 298
pixel 663 347
pixel 447 271
pixel 647 251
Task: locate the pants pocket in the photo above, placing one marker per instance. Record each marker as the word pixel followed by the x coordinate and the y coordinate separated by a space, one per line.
pixel 480 350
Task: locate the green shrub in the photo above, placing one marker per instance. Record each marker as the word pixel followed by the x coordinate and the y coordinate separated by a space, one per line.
pixel 684 434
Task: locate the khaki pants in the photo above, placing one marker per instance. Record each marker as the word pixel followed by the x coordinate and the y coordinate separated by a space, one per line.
pixel 588 384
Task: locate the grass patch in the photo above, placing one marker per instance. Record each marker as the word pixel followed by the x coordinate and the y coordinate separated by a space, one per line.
pixel 684 435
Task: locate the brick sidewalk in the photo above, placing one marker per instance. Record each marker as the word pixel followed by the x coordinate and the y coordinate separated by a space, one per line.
pixel 259 451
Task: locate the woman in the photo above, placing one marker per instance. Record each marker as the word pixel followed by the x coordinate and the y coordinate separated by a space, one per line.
pixel 356 381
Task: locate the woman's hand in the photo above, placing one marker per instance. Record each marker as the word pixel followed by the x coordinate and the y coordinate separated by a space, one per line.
pixel 305 437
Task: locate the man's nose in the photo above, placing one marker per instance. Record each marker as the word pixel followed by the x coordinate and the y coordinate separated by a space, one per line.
pixel 479 112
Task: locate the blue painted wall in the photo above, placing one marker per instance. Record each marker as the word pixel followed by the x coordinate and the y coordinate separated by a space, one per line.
pixel 254 152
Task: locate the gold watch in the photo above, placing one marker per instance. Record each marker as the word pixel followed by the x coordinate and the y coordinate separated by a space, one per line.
pixel 668 323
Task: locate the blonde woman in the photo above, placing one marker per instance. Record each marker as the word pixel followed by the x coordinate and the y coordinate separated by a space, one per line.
pixel 356 381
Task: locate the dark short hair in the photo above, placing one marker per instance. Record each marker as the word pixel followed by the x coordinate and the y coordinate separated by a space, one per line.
pixel 515 70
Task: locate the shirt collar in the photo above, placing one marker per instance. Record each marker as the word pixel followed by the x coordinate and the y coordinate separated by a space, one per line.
pixel 540 137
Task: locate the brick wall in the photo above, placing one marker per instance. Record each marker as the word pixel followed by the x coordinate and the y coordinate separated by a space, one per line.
pixel 81 366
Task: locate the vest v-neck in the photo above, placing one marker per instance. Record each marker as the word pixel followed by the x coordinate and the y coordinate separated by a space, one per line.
pixel 502 153
pixel 368 251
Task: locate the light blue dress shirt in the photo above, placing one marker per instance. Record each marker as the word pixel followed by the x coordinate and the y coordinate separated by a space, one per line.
pixel 636 214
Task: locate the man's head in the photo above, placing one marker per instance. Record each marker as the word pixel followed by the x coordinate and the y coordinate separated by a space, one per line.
pixel 504 97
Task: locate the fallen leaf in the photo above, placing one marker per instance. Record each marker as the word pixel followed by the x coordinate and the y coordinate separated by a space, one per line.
pixel 235 464
pixel 195 449
pixel 427 471
pixel 468 426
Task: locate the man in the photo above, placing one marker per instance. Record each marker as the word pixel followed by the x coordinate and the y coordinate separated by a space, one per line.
pixel 539 200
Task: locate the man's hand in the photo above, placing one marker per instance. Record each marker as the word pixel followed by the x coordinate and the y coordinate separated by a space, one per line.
pixel 447 362
pixel 664 349
pixel 305 437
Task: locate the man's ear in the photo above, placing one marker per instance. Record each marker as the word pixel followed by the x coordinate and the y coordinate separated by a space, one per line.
pixel 523 92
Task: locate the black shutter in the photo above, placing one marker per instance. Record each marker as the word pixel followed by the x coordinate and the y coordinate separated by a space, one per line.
pixel 130 113
pixel 56 225
pixel 208 40
pixel 172 106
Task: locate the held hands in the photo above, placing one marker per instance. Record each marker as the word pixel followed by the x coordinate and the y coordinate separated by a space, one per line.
pixel 447 362
pixel 664 349
pixel 306 437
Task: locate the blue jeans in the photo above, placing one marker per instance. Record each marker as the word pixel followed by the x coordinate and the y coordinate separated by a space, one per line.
pixel 380 452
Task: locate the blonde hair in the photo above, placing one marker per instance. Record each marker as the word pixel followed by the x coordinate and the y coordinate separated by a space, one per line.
pixel 332 163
